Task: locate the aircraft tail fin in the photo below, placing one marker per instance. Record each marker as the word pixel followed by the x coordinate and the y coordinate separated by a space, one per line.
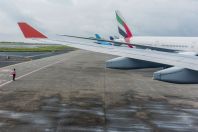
pixel 98 36
pixel 30 32
pixel 111 38
pixel 123 27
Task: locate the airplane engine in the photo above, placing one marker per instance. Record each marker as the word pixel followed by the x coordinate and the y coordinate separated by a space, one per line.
pixel 129 63
pixel 177 75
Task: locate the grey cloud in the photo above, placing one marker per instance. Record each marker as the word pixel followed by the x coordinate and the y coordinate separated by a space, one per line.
pixel 79 17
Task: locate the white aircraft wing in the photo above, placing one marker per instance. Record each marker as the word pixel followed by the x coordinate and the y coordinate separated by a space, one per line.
pixel 136 43
pixel 173 59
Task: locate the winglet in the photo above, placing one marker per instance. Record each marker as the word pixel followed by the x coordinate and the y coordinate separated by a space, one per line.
pixel 30 32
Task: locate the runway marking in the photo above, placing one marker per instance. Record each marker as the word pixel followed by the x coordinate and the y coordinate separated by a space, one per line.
pixel 38 55
pixel 28 61
pixel 32 72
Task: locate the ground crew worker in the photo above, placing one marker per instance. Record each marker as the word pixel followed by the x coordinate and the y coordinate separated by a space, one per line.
pixel 14 74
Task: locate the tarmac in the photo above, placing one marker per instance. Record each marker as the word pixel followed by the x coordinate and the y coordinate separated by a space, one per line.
pixel 75 92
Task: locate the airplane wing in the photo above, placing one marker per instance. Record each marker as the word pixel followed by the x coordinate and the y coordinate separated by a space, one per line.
pixel 184 61
pixel 179 60
pixel 140 46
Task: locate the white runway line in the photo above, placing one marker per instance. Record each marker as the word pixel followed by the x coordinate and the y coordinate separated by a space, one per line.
pixel 32 72
pixel 39 55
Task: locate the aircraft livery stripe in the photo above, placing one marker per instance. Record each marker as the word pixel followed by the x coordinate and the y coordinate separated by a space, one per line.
pixel 120 20
pixel 129 34
pixel 121 27
pixel 122 32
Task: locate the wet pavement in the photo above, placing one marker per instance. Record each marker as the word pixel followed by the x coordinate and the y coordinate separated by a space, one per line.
pixel 89 114
pixel 77 95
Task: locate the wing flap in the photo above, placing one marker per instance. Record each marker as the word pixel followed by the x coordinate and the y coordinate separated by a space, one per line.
pixel 122 43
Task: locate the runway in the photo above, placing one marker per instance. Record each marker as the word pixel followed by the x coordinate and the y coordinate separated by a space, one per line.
pixel 75 92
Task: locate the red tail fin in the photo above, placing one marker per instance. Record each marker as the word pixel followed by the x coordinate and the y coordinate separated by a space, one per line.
pixel 30 32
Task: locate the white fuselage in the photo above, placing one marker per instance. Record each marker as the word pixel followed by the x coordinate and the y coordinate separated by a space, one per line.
pixel 186 44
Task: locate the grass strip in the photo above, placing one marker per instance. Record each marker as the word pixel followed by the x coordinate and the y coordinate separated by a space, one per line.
pixel 35 49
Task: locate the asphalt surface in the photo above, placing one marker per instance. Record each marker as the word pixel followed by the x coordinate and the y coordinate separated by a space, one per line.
pixel 10 58
pixel 75 92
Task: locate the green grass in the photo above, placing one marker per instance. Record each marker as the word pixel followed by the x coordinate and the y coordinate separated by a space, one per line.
pixel 37 49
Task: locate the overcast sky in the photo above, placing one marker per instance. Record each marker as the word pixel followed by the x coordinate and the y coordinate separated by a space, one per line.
pixel 87 17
